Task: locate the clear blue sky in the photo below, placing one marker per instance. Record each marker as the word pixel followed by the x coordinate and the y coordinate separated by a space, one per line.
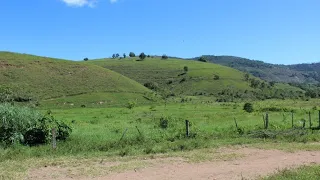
pixel 276 31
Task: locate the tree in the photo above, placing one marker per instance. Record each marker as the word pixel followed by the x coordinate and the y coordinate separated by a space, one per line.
pixel 272 83
pixel 203 59
pixel 85 59
pixel 131 54
pixel 117 55
pixel 124 55
pixel 186 69
pixel 164 56
pixel 113 56
pixel 142 56
pixel 246 76
pixel 254 83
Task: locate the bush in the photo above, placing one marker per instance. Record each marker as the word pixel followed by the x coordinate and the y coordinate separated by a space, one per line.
pixel 163 123
pixel 28 127
pixel 152 85
pixel 85 59
pixel 216 77
pixel 248 107
pixel 186 69
pixel 131 105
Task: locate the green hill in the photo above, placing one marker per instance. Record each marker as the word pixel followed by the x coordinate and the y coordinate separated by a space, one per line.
pixel 47 78
pixel 302 73
pixel 200 79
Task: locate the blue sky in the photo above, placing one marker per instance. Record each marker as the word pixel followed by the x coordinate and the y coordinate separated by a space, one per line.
pixel 276 31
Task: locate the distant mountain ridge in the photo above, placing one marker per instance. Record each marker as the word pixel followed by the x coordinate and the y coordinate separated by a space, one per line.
pixel 297 73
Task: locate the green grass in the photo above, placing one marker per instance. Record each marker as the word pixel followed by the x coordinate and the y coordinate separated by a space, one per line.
pixel 199 78
pixel 99 130
pixel 302 173
pixel 46 78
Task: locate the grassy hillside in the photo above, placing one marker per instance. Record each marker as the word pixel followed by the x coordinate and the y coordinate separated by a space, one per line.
pixel 46 78
pixel 200 79
pixel 170 74
pixel 269 72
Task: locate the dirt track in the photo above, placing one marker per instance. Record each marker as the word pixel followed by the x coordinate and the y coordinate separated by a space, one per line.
pixel 251 164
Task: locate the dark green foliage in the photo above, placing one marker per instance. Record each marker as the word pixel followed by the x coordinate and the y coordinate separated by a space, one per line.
pixel 142 56
pixel 183 80
pixel 131 105
pixel 85 59
pixel 27 126
pixel 248 107
pixel 254 83
pixel 113 56
pixel 300 73
pixel 117 55
pixel 164 57
pixel 216 77
pixel 152 85
pixel 124 55
pixel 246 76
pixel 202 59
pixel 132 54
pixel 163 122
pixel 185 68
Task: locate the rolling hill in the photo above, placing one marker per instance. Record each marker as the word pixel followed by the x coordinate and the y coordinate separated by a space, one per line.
pixel 302 73
pixel 46 78
pixel 200 79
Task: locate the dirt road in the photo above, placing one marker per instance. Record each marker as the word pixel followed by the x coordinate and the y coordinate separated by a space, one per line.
pixel 249 164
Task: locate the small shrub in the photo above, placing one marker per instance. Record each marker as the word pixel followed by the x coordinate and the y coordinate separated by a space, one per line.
pixel 186 69
pixel 163 123
pixel 248 107
pixel 152 85
pixel 183 80
pixel 216 77
pixel 28 127
pixel 131 105
pixel 85 59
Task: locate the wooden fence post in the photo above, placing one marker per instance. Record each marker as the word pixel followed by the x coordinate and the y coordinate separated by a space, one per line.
pixel 267 121
pixel 310 121
pixel 292 119
pixel 319 118
pixel 54 138
pixel 124 133
pixel 187 128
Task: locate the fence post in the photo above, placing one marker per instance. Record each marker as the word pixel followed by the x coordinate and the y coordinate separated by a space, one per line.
pixel 187 128
pixel 319 118
pixel 267 121
pixel 292 119
pixel 310 121
pixel 124 133
pixel 54 138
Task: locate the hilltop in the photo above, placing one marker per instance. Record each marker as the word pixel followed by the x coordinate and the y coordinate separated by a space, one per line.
pixel 200 78
pixel 35 77
pixel 301 73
